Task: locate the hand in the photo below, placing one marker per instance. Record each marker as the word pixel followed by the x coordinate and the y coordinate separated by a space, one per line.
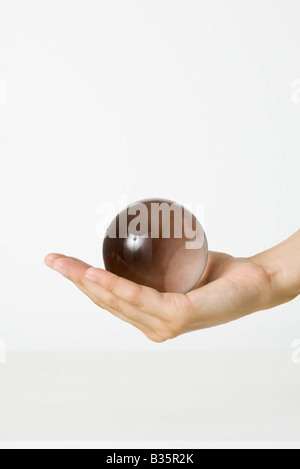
pixel 230 288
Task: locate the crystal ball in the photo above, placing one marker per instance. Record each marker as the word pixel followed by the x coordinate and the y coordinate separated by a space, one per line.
pixel 157 243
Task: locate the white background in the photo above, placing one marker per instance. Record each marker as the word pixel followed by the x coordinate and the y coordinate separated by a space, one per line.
pixel 195 100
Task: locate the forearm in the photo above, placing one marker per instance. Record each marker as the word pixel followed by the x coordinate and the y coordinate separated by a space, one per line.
pixel 282 266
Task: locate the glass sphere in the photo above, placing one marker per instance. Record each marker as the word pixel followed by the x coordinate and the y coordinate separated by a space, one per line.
pixel 157 243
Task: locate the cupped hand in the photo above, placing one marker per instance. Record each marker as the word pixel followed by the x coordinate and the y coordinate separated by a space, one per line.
pixel 230 289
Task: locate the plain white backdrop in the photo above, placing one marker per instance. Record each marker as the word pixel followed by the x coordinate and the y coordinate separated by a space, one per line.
pixel 196 101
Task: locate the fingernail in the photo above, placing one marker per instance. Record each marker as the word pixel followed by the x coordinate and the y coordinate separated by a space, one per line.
pixel 91 277
pixel 61 271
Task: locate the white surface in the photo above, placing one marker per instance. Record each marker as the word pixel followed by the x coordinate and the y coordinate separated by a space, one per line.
pixel 196 396
pixel 196 101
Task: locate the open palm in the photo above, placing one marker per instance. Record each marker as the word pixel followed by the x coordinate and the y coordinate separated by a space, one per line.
pixel 230 288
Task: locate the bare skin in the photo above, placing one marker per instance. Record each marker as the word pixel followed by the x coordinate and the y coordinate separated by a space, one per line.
pixel 230 289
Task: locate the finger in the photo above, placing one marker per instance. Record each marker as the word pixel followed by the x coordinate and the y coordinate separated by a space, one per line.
pixel 147 299
pixel 52 258
pixel 151 334
pixel 69 268
pixel 109 299
pixel 75 272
